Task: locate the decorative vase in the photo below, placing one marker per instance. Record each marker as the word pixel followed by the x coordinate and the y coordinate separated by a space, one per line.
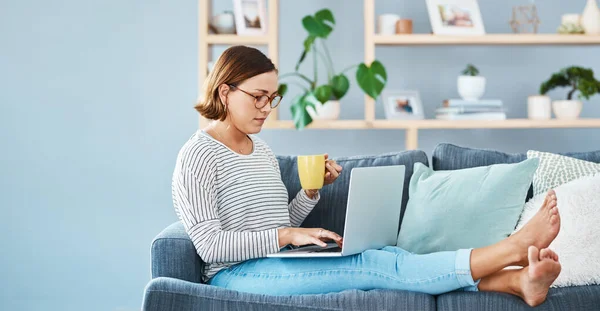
pixel 471 87
pixel 590 19
pixel 567 109
pixel 539 107
pixel 330 110
pixel 386 24
pixel 224 23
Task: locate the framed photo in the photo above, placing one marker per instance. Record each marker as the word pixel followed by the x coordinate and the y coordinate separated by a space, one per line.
pixel 455 17
pixel 250 17
pixel 402 105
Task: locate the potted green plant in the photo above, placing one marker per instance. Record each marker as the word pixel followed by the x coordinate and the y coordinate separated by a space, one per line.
pixel 321 100
pixel 471 86
pixel 577 79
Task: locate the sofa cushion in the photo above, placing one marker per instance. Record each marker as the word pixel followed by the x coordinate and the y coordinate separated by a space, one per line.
pixel 578 242
pixel 556 170
pixel 452 157
pixel 330 212
pixel 164 294
pixel 580 298
pixel 467 208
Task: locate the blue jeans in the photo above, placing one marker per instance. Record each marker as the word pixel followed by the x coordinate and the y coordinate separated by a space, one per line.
pixel 387 268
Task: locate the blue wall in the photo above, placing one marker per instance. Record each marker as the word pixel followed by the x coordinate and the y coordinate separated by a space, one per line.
pixel 97 99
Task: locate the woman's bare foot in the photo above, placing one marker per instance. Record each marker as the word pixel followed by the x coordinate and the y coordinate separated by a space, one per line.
pixel 540 230
pixel 535 280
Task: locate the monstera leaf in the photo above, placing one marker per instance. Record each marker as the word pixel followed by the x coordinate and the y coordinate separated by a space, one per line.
pixel 339 85
pixel 323 93
pixel 299 114
pixel 318 26
pixel 282 89
pixel 371 79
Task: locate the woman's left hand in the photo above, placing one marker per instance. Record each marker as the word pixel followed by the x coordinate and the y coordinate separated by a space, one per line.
pixel 332 171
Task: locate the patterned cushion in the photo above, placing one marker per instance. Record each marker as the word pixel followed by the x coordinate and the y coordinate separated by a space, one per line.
pixel 555 170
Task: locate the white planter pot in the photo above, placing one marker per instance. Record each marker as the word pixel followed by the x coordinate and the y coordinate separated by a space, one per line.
pixel 330 110
pixel 539 107
pixel 590 19
pixel 567 109
pixel 471 87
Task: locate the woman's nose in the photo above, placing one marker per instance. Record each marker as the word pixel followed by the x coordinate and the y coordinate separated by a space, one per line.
pixel 267 108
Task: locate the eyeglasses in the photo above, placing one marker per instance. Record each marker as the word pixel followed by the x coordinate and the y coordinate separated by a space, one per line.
pixel 261 101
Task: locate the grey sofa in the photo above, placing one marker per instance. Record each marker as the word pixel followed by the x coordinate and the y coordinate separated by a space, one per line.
pixel 176 267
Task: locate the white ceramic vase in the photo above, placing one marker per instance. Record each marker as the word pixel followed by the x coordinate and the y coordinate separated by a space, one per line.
pixel 330 110
pixel 471 87
pixel 590 19
pixel 224 23
pixel 539 107
pixel 567 109
pixel 386 24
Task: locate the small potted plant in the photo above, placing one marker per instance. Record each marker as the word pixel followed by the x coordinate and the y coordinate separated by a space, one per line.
pixel 321 100
pixel 471 86
pixel 577 79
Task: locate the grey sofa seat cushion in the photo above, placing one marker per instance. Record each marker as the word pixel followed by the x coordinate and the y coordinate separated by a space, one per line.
pixel 330 212
pixel 580 298
pixel 171 294
pixel 452 157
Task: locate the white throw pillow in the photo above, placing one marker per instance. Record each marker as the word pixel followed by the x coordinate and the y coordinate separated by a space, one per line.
pixel 555 170
pixel 578 242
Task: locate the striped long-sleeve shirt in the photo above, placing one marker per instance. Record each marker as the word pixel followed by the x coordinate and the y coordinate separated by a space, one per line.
pixel 231 205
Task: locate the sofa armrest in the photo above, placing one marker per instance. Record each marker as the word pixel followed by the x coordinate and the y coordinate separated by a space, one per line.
pixel 174 255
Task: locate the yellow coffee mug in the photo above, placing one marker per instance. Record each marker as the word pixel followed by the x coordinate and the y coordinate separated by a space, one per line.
pixel 311 169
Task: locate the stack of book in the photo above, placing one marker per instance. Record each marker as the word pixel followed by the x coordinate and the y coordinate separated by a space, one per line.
pixel 460 109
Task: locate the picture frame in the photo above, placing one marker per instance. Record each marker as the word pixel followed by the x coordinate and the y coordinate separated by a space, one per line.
pixel 403 105
pixel 455 17
pixel 250 17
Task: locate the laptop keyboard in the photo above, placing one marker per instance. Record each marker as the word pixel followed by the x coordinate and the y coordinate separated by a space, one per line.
pixel 328 250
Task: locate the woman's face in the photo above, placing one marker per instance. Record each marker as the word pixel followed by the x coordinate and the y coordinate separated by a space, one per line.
pixel 242 110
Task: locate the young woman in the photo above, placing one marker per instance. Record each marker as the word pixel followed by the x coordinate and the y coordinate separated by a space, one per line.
pixel 228 193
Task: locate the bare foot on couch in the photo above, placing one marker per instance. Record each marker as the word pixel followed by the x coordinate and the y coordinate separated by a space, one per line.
pixel 540 230
pixel 535 280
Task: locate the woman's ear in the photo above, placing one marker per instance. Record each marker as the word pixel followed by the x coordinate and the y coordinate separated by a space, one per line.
pixel 223 91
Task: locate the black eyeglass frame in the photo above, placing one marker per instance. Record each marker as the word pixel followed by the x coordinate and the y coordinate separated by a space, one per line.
pixel 257 98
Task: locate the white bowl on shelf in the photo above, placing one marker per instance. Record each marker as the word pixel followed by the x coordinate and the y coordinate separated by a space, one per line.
pixel 567 109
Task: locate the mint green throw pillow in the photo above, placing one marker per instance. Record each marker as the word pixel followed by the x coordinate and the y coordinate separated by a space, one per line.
pixel 467 208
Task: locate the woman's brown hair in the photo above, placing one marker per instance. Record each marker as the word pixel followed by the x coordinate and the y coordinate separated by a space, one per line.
pixel 237 64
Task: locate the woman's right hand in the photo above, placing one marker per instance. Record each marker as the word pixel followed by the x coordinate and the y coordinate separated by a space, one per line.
pixel 305 236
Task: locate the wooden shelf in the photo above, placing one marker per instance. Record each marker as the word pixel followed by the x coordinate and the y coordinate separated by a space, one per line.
pixel 335 124
pixel 489 39
pixel 483 124
pixel 439 124
pixel 236 39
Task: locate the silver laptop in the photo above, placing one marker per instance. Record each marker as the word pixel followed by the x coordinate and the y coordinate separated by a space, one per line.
pixel 372 214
